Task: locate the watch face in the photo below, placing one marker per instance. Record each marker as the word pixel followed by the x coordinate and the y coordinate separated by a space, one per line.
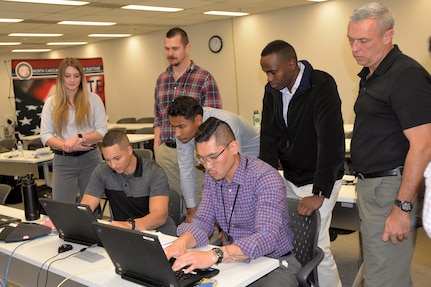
pixel 406 206
pixel 215 44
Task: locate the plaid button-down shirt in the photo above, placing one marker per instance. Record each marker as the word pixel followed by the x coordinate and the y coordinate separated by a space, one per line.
pixel 195 82
pixel 252 209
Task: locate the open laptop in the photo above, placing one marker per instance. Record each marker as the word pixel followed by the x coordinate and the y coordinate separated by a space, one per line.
pixel 6 219
pixel 72 221
pixel 139 257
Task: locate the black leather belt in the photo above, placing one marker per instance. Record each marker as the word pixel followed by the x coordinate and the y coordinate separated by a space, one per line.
pixel 389 172
pixel 74 153
pixel 287 254
pixel 171 144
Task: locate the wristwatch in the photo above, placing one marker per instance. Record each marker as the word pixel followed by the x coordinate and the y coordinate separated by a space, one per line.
pixel 219 253
pixel 405 206
pixel 132 222
pixel 80 136
pixel 317 193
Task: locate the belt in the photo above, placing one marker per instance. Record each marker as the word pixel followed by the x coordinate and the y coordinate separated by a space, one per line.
pixel 389 172
pixel 74 153
pixel 287 254
pixel 171 144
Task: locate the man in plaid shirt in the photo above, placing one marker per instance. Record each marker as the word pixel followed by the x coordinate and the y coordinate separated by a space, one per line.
pixel 182 78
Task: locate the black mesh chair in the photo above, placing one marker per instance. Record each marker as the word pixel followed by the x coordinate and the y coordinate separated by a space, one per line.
pixel 176 206
pixel 306 236
pixel 149 130
pixel 4 192
pixel 148 120
pixel 7 144
pixel 150 143
pixel 126 121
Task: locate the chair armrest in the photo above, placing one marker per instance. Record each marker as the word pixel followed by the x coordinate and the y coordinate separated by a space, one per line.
pixel 306 270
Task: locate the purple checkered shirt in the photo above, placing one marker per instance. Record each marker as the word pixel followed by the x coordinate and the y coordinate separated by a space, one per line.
pixel 260 223
pixel 195 82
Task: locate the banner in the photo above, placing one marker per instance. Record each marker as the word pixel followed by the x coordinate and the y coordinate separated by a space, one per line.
pixel 34 81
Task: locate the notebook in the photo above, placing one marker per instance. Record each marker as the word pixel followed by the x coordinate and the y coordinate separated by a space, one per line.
pixel 139 257
pixel 5 220
pixel 72 221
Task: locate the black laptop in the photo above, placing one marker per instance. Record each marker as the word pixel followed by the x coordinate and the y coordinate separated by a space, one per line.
pixel 139 257
pixel 72 221
pixel 6 219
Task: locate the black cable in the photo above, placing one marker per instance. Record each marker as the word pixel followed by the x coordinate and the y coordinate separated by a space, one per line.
pixel 40 269
pixel 47 269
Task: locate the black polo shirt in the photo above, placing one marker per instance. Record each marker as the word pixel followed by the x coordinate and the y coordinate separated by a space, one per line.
pixel 395 98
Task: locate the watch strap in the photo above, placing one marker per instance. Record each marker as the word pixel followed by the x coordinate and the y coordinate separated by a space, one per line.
pixel 219 253
pixel 406 206
pixel 132 222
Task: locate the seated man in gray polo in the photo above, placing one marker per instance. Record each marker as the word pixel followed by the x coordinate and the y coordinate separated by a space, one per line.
pixel 137 188
pixel 185 116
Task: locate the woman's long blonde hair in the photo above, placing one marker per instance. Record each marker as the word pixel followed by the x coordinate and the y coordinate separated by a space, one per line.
pixel 60 111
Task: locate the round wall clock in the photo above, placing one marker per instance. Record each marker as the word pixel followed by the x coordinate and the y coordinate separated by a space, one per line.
pixel 215 44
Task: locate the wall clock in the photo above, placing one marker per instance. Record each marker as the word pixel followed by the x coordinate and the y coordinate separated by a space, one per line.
pixel 215 44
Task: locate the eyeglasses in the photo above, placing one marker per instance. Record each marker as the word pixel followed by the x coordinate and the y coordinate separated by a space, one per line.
pixel 211 159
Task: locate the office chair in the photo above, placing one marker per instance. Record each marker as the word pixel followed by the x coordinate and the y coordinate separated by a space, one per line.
pixel 150 143
pixel 148 120
pixel 176 206
pixel 4 192
pixel 7 144
pixel 147 131
pixel 118 129
pixel 126 121
pixel 35 144
pixel 306 235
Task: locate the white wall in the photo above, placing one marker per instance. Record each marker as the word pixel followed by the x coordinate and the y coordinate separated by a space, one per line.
pixel 317 31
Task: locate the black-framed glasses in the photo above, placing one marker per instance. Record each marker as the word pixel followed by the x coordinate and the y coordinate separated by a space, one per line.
pixel 210 159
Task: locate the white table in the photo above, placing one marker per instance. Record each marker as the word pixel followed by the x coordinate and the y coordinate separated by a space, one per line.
pixel 139 139
pixel 21 166
pixel 131 127
pixel 28 258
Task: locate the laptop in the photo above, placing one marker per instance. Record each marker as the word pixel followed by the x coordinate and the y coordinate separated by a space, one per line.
pixel 72 221
pixel 139 257
pixel 6 219
pixel 42 151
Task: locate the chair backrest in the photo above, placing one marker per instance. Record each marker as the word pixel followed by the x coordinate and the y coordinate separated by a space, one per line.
pixel 7 144
pixel 144 153
pixel 4 192
pixel 149 130
pixel 306 234
pixel 175 206
pixel 119 129
pixel 35 144
pixel 148 120
pixel 126 121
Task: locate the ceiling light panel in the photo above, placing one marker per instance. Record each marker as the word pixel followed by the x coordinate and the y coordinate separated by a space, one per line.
pixel 86 23
pixel 52 2
pixel 152 8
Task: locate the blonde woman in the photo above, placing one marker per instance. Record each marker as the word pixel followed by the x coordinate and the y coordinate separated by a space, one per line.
pixel 73 121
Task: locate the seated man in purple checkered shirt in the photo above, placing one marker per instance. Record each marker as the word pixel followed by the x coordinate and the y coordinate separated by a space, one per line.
pixel 247 198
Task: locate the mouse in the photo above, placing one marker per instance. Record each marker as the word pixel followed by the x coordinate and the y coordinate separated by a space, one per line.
pixel 64 247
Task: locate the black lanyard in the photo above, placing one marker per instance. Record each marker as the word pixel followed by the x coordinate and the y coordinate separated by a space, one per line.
pixel 233 207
